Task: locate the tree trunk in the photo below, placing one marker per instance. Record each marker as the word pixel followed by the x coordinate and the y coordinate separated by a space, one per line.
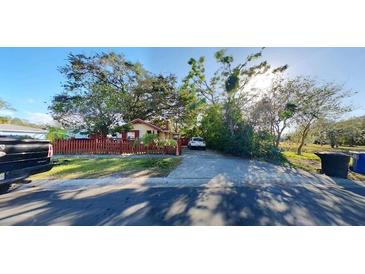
pixel 277 141
pixel 299 150
pixel 302 139
pixel 279 133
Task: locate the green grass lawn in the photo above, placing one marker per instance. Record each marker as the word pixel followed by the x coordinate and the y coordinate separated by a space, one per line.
pixel 311 162
pixel 310 148
pixel 75 168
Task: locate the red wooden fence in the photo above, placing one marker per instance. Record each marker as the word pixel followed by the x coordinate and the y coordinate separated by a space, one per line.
pixel 110 146
pixel 184 141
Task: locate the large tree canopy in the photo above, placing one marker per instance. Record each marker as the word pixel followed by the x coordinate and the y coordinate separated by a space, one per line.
pixel 228 83
pixel 276 109
pixel 316 101
pixel 105 90
pixel 154 99
pixel 220 104
pixel 96 110
pixel 300 102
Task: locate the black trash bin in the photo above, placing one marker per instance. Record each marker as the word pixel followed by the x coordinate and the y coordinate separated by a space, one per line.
pixel 335 164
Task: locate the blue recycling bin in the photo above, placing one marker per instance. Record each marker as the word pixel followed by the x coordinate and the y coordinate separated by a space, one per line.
pixel 358 162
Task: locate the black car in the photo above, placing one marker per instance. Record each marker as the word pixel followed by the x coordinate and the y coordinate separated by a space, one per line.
pixel 20 158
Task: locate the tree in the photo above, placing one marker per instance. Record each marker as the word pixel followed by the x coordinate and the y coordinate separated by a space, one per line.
pixel 349 132
pixel 155 98
pixel 94 111
pixel 83 72
pixel 212 127
pixel 56 133
pixel 191 109
pixel 321 132
pixel 3 105
pixel 18 121
pixel 316 101
pixel 276 110
pixel 227 85
pixel 15 121
pixel 224 102
pixel 103 91
pixel 4 119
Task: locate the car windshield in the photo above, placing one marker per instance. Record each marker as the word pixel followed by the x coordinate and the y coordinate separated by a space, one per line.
pixel 198 139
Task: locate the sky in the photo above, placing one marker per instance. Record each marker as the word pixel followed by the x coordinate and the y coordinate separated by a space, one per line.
pixel 29 77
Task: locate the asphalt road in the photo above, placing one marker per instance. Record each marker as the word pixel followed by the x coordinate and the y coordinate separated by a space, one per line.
pixel 206 189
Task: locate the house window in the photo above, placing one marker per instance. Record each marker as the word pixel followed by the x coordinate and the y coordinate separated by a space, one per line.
pixel 131 135
pixel 149 132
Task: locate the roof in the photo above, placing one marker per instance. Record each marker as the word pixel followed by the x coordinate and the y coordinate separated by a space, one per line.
pixel 17 128
pixel 20 140
pixel 140 121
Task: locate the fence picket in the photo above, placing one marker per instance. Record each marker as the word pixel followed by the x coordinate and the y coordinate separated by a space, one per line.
pixel 110 146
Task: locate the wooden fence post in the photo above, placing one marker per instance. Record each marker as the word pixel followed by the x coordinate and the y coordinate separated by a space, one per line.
pixel 178 147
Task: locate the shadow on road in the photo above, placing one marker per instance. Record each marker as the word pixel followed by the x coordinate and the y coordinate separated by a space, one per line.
pixel 234 192
pixel 204 205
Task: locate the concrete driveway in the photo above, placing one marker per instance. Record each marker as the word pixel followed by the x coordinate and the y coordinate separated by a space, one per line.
pixel 206 189
pixel 209 166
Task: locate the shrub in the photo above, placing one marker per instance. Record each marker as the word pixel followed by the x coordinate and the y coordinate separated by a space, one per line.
pixel 149 138
pixel 244 141
pixel 212 128
pixel 167 142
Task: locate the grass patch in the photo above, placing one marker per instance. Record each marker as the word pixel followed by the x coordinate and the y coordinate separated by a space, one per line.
pixel 311 148
pixel 304 156
pixel 356 176
pixel 312 163
pixel 75 168
pixel 307 161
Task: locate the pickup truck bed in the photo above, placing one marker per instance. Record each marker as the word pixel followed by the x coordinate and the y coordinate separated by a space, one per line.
pixel 20 158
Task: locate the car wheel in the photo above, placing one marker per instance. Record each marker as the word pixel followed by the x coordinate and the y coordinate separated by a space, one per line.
pixel 4 188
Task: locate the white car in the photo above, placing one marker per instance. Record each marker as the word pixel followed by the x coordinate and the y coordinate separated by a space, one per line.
pixel 197 142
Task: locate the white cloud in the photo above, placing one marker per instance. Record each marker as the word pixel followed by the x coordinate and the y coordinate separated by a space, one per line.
pixel 7 112
pixel 40 118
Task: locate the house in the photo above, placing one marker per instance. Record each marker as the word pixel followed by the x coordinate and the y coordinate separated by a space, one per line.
pixel 76 135
pixel 142 127
pixel 10 130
